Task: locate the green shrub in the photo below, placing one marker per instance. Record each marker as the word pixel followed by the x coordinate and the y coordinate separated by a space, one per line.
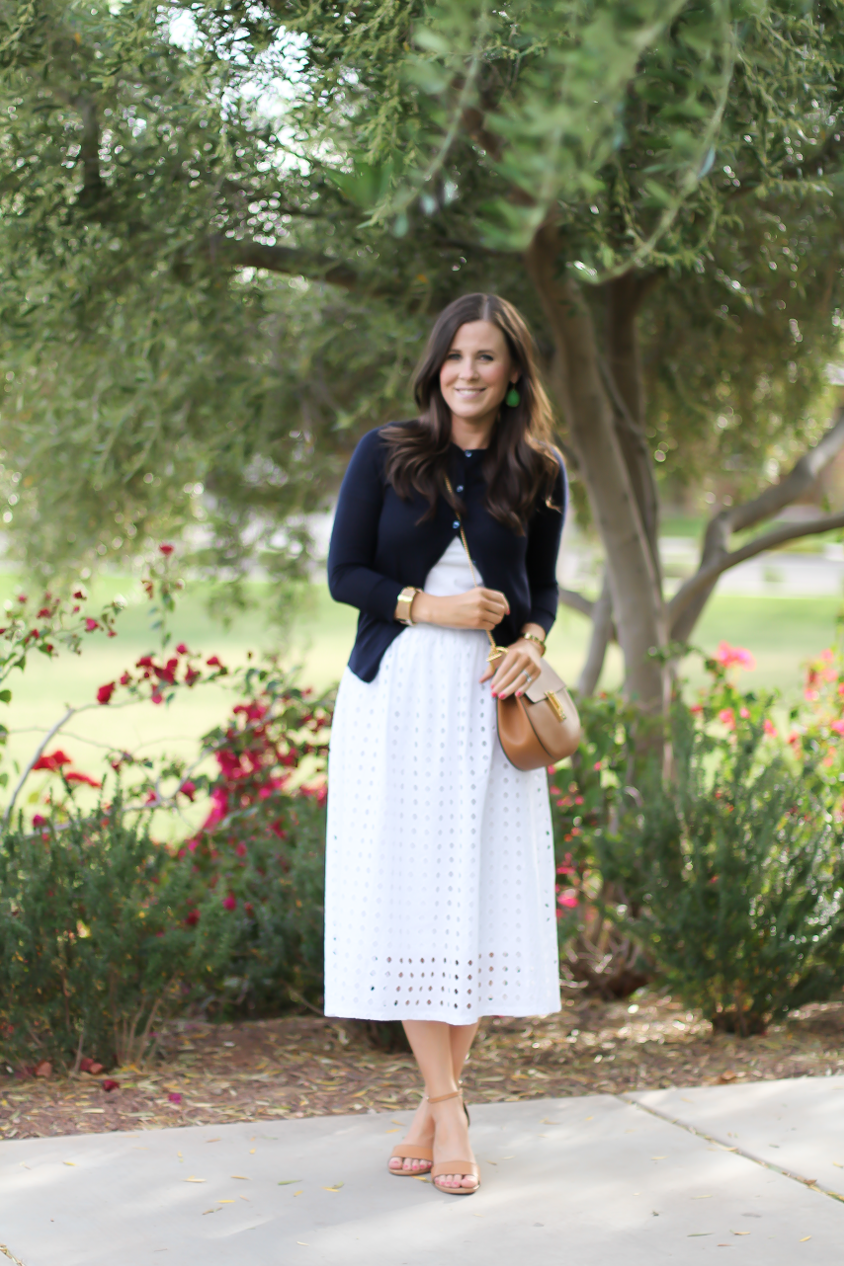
pixel 733 875
pixel 102 935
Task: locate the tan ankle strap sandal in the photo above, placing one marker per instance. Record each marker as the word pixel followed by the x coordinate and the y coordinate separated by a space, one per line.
pixel 466 1169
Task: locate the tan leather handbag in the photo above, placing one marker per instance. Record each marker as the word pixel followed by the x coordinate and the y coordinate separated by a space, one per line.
pixel 541 726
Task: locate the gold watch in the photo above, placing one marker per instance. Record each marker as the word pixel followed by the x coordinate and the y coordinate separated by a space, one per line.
pixel 531 637
pixel 406 596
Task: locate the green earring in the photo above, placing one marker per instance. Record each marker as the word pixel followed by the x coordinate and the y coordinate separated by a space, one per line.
pixel 512 398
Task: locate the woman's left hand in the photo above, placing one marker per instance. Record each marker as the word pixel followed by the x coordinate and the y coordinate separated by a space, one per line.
pixel 509 674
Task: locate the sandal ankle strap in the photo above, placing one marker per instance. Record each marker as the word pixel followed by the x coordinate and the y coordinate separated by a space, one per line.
pixel 455 1094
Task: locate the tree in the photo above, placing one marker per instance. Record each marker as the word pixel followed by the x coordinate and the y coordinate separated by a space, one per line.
pixel 621 152
pixel 626 172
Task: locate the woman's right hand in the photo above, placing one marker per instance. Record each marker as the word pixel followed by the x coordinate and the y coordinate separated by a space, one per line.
pixel 474 609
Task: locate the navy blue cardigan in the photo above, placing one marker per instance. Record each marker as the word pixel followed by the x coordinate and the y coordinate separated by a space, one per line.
pixel 378 546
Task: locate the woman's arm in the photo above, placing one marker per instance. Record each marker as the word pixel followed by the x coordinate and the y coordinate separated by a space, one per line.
pixel 524 657
pixel 543 547
pixel 354 536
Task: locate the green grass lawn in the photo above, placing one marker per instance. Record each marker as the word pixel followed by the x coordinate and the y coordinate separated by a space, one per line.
pixel 781 633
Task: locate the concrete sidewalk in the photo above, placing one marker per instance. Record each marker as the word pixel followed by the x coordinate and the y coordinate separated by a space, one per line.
pixel 595 1180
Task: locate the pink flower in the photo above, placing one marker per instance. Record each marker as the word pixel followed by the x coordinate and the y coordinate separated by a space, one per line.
pixel 166 550
pixel 214 662
pixel 174 1098
pixel 156 696
pixel 181 649
pixel 192 918
pixel 810 695
pixel 230 902
pixel 105 692
pixel 241 849
pixel 568 899
pixel 744 714
pixel 38 820
pixel 109 1085
pixel 769 727
pixel 188 789
pixel 837 727
pixel 90 625
pixel 730 655
pixel 597 765
pixel 727 717
pixel 696 708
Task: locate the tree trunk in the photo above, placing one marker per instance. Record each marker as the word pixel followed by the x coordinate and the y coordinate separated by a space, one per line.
pixel 589 414
pixel 590 674
pixel 623 298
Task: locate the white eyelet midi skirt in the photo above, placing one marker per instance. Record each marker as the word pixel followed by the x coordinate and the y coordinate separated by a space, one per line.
pixel 440 899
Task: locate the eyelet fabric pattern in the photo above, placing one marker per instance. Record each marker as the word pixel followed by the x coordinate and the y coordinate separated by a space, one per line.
pixel 440 899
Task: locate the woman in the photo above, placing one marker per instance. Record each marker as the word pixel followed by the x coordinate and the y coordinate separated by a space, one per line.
pixel 440 866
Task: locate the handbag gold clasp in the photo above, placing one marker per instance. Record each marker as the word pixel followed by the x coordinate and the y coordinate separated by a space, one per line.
pixel 556 706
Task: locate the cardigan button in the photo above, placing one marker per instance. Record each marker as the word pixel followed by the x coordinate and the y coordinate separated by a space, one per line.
pixel 455 525
pixel 459 487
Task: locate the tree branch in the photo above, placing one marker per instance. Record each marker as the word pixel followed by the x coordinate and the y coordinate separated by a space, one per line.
pixel 684 611
pixel 769 540
pixel 577 602
pixel 246 253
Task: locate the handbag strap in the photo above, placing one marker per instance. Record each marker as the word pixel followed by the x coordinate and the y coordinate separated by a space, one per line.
pixel 499 650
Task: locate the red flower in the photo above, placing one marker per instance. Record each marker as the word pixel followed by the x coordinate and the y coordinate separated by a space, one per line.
pixel 37 820
pixel 241 849
pixel 21 597
pixel 214 662
pixel 84 778
pixel 145 662
pixel 80 593
pixel 156 696
pixel 109 1085
pixel 90 625
pixel 52 762
pixel 105 692
pixel 188 789
pixel 173 1097
pixel 181 649
pixel 44 613
pixel 230 902
pixel 192 918
pixel 191 676
pixel 166 550
pixel 125 679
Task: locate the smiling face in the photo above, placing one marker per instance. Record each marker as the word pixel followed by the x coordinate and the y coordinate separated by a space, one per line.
pixel 476 375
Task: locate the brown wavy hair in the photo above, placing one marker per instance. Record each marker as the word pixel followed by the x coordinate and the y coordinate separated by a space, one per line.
pixel 520 464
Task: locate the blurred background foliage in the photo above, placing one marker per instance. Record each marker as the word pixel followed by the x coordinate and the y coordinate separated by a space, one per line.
pixel 225 228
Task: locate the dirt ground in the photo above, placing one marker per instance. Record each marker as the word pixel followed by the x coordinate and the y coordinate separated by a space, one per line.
pixel 304 1065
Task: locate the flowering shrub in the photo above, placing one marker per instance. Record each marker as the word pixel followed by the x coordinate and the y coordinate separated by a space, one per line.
pixel 95 946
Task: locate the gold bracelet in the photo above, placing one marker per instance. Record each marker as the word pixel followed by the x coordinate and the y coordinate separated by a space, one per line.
pixel 407 595
pixel 531 637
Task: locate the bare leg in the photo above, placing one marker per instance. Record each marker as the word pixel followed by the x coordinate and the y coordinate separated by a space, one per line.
pixel 435 1053
pixel 421 1129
